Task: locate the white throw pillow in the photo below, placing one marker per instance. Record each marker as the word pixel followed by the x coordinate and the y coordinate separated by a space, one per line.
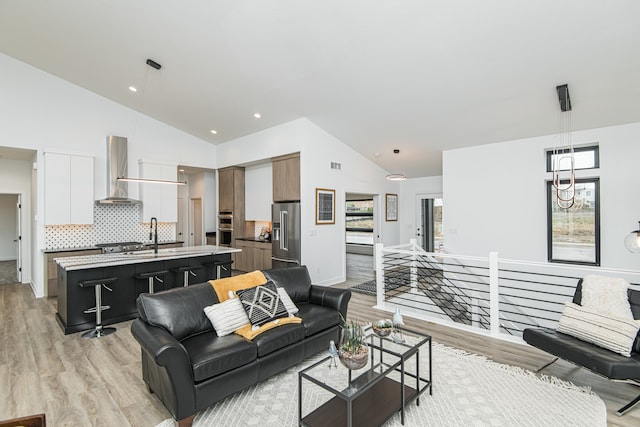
pixel 227 316
pixel 606 295
pixel 288 303
pixel 613 333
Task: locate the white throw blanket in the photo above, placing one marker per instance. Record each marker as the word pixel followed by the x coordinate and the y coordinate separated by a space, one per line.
pixel 606 295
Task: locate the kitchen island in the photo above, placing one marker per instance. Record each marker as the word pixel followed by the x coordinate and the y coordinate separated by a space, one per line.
pixel 196 264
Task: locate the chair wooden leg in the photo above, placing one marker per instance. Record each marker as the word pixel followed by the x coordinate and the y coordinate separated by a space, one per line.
pixel 186 422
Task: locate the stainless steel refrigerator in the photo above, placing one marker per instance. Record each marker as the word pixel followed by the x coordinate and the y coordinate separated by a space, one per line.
pixel 285 237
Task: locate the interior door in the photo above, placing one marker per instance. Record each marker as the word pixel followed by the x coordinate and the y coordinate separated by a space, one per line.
pixel 19 238
pixel 180 225
pixel 429 222
pixel 197 221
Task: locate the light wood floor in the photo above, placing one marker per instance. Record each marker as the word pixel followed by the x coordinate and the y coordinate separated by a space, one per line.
pixel 79 382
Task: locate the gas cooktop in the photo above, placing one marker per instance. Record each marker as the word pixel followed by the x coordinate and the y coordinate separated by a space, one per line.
pixel 108 248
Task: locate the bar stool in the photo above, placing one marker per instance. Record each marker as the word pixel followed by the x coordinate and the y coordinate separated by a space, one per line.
pixel 187 270
pixel 222 265
pixel 98 284
pixel 151 276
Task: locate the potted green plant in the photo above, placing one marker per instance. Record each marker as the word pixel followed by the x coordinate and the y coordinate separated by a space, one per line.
pixel 353 351
pixel 382 328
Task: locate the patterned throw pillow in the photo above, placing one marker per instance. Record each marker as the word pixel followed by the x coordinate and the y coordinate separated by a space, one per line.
pixel 613 333
pixel 262 304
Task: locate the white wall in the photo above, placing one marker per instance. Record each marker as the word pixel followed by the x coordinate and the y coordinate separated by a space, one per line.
pixel 42 112
pixel 258 193
pixel 495 196
pixel 408 208
pixel 323 246
pixel 15 178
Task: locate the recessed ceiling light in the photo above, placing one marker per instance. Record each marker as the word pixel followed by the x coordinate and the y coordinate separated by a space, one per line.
pixel 133 89
pixel 257 115
pixel 213 131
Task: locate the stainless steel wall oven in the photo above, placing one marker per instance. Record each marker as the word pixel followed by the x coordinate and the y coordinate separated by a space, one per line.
pixel 225 229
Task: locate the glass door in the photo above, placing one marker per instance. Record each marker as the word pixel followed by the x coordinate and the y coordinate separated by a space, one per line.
pixel 429 219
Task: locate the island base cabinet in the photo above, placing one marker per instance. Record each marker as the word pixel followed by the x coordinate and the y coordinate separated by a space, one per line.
pixel 74 301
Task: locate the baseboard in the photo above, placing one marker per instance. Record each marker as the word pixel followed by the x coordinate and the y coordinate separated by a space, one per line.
pixel 7 258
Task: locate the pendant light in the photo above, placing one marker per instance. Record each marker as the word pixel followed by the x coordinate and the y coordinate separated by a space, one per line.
pixel 396 176
pixel 632 241
pixel 565 191
pixel 181 179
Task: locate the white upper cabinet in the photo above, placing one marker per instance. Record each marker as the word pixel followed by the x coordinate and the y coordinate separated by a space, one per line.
pixel 158 200
pixel 68 189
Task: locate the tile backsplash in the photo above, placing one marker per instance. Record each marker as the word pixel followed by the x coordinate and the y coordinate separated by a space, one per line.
pixel 111 223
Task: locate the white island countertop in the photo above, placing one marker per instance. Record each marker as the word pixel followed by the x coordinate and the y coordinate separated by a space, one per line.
pixel 83 262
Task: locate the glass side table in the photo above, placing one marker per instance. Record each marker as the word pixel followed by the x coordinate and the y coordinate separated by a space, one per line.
pixel 393 377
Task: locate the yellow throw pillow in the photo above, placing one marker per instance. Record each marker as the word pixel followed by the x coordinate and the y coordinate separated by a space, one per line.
pixel 249 332
pixel 236 283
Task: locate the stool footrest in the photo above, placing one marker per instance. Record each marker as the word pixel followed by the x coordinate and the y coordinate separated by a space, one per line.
pixel 95 309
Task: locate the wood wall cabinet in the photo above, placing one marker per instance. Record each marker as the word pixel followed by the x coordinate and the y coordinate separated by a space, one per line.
pixel 286 178
pixel 158 200
pixel 231 197
pixel 68 193
pixel 231 189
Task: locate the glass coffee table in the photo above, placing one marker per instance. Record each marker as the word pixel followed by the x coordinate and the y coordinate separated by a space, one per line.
pixel 395 375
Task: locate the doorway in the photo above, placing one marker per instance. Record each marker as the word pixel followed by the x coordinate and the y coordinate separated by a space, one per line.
pixel 10 239
pixel 429 219
pixel 195 223
pixel 361 234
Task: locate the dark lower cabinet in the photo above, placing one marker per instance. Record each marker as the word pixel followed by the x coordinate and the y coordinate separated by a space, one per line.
pixel 74 301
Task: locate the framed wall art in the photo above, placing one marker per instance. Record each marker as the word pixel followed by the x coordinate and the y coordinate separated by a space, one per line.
pixel 325 206
pixel 391 207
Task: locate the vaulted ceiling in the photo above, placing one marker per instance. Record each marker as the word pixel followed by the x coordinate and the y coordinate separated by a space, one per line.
pixel 422 76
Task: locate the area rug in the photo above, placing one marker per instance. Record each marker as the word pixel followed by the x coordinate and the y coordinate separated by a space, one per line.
pixel 369 287
pixel 469 390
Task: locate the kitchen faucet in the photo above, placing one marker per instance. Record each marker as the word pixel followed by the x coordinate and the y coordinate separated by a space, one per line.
pixel 153 234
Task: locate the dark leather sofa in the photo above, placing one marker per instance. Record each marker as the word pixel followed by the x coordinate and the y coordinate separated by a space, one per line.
pixel 599 360
pixel 189 367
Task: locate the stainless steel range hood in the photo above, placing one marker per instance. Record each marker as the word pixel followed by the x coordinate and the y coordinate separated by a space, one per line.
pixel 117 167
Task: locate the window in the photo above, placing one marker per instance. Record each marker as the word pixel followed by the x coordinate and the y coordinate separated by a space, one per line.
pixel 584 158
pixel 359 222
pixel 573 235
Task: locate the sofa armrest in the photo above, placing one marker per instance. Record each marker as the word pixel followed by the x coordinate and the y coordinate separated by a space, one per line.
pixel 325 296
pixel 169 372
pixel 163 348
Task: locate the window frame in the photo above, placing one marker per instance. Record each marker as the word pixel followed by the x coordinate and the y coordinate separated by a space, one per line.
pixel 596 156
pixel 550 257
